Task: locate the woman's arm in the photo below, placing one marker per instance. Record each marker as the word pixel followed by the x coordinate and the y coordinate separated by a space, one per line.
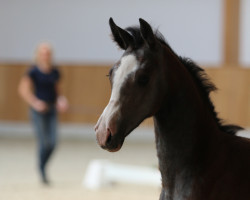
pixel 61 101
pixel 25 90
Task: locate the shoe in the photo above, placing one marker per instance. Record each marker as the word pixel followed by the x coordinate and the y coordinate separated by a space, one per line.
pixel 44 177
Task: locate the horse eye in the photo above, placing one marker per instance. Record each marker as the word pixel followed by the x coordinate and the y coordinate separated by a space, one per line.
pixel 143 80
pixel 110 73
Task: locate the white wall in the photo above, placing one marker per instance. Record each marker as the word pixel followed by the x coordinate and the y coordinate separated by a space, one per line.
pixel 245 33
pixel 79 31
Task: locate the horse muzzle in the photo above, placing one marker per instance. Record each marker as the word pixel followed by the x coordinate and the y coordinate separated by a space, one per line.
pixel 106 130
pixel 107 140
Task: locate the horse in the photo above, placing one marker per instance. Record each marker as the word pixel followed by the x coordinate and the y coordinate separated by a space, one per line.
pixel 200 157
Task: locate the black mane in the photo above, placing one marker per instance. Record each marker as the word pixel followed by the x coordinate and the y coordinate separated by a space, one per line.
pixel 206 86
pixel 199 76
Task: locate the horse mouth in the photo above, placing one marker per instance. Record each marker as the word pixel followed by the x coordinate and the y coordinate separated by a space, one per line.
pixel 112 144
pixel 114 149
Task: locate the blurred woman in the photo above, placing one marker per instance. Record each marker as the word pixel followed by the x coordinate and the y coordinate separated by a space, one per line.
pixel 39 87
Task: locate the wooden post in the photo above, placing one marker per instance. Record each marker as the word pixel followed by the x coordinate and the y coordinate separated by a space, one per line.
pixel 231 32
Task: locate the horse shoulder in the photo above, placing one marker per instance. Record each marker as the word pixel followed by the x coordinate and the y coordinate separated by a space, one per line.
pixel 235 172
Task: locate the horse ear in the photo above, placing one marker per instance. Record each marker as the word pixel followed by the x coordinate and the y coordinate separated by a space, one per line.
pixel 121 37
pixel 147 33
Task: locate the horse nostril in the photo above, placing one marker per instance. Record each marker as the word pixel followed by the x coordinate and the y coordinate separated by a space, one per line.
pixel 109 137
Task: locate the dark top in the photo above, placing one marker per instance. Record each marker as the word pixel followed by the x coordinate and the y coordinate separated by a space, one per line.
pixel 44 83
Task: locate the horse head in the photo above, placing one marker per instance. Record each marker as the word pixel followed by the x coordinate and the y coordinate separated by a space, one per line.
pixel 136 81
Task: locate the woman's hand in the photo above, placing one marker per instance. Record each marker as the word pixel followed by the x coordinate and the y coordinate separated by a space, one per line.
pixel 62 104
pixel 39 106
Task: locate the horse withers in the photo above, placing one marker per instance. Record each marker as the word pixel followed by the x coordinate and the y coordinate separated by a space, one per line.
pixel 199 157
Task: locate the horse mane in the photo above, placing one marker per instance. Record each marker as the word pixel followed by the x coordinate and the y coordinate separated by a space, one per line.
pixel 198 74
pixel 206 86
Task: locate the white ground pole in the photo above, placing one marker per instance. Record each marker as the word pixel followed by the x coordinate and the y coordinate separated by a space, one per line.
pixel 101 173
pixel 244 133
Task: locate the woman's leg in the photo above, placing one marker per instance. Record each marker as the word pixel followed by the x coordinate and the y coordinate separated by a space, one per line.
pixel 51 137
pixel 41 128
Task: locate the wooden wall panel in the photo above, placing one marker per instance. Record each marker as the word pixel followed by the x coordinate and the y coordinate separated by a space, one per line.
pixel 11 106
pixel 87 89
pixel 248 97
pixel 231 32
pixel 232 99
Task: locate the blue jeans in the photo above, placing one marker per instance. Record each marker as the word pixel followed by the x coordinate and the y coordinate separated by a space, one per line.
pixel 45 125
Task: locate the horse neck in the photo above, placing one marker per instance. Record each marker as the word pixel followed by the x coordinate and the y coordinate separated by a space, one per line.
pixel 185 127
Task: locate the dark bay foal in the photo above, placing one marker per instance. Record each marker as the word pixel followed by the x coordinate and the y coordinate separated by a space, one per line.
pixel 199 157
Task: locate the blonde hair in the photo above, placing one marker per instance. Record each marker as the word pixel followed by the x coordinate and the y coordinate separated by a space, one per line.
pixel 38 48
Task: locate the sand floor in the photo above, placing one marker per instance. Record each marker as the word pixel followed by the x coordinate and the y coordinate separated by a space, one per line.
pixel 19 179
